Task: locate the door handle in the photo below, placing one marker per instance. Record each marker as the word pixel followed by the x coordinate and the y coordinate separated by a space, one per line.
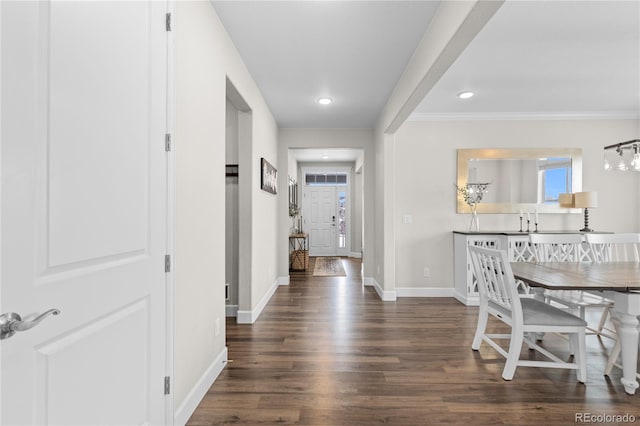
pixel 11 322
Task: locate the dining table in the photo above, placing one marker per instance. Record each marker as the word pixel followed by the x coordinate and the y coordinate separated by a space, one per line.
pixel 617 281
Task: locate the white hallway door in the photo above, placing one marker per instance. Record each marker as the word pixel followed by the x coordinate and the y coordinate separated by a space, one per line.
pixel 326 222
pixel 84 211
pixel 321 221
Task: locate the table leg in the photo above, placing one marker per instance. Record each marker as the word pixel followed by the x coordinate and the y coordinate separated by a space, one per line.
pixel 627 330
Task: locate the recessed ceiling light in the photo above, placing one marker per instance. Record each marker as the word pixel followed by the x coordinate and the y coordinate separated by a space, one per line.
pixel 325 157
pixel 465 95
pixel 324 101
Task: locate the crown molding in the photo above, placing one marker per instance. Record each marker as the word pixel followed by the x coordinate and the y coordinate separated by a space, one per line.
pixel 604 115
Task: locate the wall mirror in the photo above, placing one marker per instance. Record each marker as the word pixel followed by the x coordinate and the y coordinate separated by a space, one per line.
pixel 520 179
pixel 294 206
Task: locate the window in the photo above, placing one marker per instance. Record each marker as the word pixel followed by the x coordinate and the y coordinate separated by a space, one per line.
pixel 342 219
pixel 313 179
pixel 555 178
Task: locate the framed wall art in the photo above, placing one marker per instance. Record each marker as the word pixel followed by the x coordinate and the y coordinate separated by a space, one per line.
pixel 268 177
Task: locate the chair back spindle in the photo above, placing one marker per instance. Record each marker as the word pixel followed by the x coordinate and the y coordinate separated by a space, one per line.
pixel 495 281
pixel 623 247
pixel 557 247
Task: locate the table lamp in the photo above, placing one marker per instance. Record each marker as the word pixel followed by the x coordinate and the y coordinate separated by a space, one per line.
pixel 585 200
pixel 565 200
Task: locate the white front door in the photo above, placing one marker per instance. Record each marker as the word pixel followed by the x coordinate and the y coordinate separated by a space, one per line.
pixel 320 223
pixel 84 211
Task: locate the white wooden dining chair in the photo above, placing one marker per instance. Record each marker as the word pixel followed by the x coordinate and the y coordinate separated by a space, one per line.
pixel 570 248
pixel 499 297
pixel 624 247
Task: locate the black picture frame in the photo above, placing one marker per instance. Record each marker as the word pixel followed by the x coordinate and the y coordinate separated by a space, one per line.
pixel 268 177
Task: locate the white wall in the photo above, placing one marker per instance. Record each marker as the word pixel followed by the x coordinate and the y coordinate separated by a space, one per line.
pixel 264 220
pixel 328 138
pixel 204 58
pixel 357 197
pixel 292 165
pixel 426 176
pixel 452 28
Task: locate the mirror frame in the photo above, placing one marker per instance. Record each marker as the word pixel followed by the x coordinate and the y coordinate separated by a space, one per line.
pixel 464 155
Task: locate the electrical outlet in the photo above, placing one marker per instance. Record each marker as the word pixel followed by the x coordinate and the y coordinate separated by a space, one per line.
pixel 427 272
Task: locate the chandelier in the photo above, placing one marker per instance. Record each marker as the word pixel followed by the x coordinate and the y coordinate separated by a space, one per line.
pixel 623 156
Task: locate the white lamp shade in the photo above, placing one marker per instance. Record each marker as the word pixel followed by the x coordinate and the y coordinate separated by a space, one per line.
pixel 585 199
pixel 565 200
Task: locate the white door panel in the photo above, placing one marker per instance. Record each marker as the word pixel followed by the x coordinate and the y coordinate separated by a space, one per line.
pixel 84 202
pixel 321 227
pixel 124 373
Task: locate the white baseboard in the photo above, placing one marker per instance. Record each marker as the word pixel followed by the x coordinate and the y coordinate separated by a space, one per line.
pixel 194 397
pixel 424 292
pixel 244 317
pixel 283 280
pixel 468 301
pixel 392 295
pixel 356 254
pixel 386 296
pixel 231 310
pixel 249 317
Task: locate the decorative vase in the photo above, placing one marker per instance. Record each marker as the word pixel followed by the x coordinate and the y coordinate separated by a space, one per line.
pixel 474 225
pixel 472 194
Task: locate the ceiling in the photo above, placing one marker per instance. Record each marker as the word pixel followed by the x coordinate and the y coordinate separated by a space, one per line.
pixel 351 51
pixel 334 155
pixel 547 58
pixel 533 58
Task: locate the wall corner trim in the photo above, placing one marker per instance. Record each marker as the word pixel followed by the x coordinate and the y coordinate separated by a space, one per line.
pixel 385 296
pixel 194 397
pixel 231 310
pixel 249 317
pixel 283 280
pixel 468 301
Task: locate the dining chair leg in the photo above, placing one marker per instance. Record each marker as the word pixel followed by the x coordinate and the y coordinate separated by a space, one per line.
pixel 583 312
pixel 572 346
pixel 515 346
pixel 483 316
pixel 579 342
pixel 530 338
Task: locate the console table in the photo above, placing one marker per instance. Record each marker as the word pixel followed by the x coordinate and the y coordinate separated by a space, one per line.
pixel 515 243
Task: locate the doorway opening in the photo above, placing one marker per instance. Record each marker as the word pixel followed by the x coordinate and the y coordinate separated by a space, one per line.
pixel 326 210
pixel 238 119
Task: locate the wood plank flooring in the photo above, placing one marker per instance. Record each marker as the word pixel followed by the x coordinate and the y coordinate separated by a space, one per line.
pixel 327 351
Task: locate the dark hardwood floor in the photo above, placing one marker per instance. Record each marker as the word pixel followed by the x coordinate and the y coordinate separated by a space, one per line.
pixel 327 351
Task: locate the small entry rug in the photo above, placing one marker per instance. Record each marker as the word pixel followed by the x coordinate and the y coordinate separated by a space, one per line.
pixel 328 267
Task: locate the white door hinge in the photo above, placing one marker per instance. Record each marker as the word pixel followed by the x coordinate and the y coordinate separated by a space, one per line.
pixel 168 21
pixel 167 142
pixel 167 263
